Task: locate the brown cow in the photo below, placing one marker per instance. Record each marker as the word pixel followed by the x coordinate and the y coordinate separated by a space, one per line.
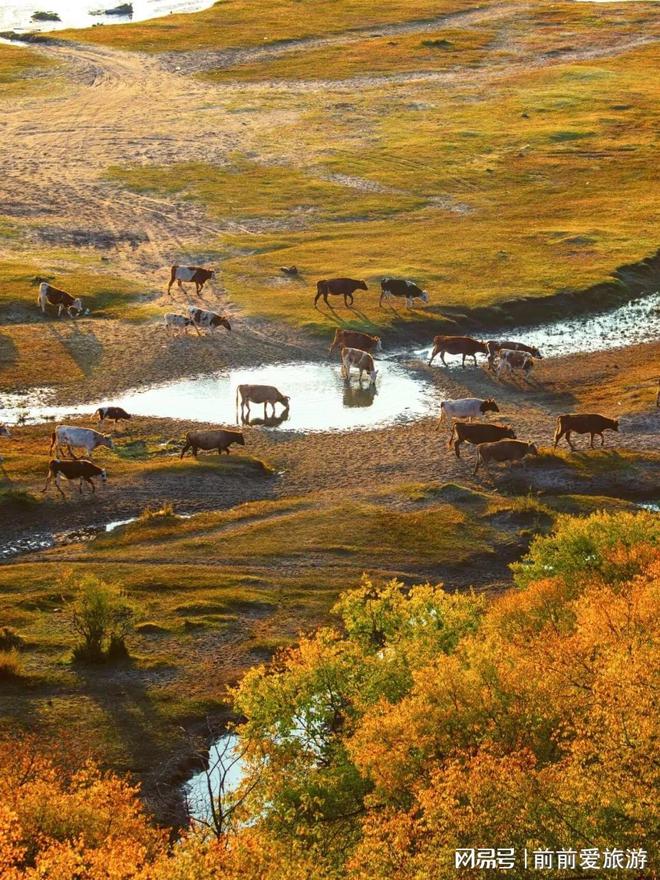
pixel 266 394
pixel 79 469
pixel 220 439
pixel 345 287
pixel 504 450
pixel 584 423
pixel 355 339
pixel 477 433
pixel 464 345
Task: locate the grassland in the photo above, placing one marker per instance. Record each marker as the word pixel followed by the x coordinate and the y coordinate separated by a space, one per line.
pixel 22 71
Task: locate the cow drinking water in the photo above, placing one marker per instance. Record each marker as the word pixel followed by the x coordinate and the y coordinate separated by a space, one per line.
pixel 266 394
pixel 362 360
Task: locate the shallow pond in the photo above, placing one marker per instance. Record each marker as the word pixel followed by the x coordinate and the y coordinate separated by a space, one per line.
pixel 320 399
pixel 16 15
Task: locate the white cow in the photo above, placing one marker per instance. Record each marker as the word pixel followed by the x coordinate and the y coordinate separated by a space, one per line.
pixel 467 408
pixel 362 360
pixel 78 438
pixel 176 324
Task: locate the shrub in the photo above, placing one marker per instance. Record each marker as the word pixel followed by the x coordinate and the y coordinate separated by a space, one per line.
pixel 9 639
pixel 102 617
pixel 11 663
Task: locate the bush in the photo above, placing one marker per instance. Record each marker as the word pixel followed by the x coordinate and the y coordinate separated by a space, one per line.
pixel 103 618
pixel 11 663
pixel 10 639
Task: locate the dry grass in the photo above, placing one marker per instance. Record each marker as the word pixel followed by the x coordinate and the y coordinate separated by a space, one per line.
pixel 22 70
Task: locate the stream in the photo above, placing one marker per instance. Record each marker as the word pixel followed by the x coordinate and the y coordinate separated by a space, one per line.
pixel 16 15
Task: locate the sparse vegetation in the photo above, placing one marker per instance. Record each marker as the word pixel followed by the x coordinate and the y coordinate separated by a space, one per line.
pixel 102 617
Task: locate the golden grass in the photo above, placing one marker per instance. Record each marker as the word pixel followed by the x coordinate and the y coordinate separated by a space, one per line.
pixel 22 70
pixel 245 23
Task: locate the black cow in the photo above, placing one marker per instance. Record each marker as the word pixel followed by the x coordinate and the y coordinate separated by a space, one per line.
pixel 345 287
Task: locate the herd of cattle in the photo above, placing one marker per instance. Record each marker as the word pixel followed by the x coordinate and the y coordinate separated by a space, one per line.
pixel 494 442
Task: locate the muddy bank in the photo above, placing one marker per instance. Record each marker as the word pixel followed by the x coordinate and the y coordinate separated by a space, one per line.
pixel 627 283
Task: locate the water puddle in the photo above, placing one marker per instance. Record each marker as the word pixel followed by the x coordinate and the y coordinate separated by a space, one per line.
pixel 223 776
pixel 635 322
pixel 16 15
pixel 320 399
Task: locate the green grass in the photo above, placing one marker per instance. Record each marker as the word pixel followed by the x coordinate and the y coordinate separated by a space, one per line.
pixel 22 70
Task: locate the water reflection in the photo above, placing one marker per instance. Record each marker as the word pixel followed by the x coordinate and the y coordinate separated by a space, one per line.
pixel 359 396
pixel 273 421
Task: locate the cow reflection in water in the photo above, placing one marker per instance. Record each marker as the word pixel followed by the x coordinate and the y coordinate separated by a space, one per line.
pixel 267 422
pixel 358 396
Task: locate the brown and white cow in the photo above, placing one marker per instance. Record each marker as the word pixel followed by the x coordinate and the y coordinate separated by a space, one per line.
pixel 463 345
pixel 356 339
pixel 177 324
pixel 196 274
pixel 220 439
pixel 80 469
pixel 494 348
pixel 362 360
pixel 345 287
pixel 59 299
pixel 266 394
pixel 477 433
pixel 503 450
pixel 584 423
pixel 511 359
pixel 78 438
pixel 208 320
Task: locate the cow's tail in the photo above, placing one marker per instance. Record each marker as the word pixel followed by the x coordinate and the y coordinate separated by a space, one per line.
pixel 558 431
pixel 172 278
pixel 452 437
pixel 321 290
pixel 53 439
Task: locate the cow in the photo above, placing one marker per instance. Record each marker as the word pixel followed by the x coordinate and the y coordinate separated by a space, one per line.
pixel 584 423
pixel 495 347
pixel 208 320
pixel 175 324
pixel 78 438
pixel 4 431
pixel 345 287
pixel 354 357
pixel 356 339
pixel 467 408
pixel 189 273
pixel 511 360
pixel 477 433
pixel 266 394
pixel 63 301
pixel 81 469
pixel 463 345
pixel 220 439
pixel 390 287
pixel 113 414
pixel 503 450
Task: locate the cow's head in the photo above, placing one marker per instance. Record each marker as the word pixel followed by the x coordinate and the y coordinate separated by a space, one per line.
pixel 221 322
pixel 4 431
pixel 103 475
pixel 372 377
pixel 284 399
pixel 528 364
pixel 379 344
pixel 536 353
pixel 532 449
pixel 510 433
pixel 240 439
pixel 77 307
pixel 615 424
pixel 363 285
pixel 106 440
pixel 211 273
pixel 489 406
pixel 424 296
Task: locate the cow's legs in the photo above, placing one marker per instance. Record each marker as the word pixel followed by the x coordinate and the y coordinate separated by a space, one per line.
pixel 474 358
pixel 442 358
pixel 569 441
pixel 91 483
